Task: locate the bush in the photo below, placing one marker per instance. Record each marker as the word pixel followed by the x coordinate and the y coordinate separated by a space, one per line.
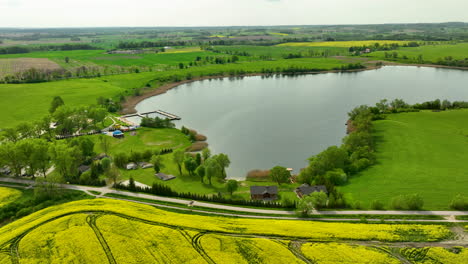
pixel 459 202
pixel 414 201
pixel 398 202
pixel 377 205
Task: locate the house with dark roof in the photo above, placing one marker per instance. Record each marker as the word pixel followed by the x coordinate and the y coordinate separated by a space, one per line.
pixel 264 192
pixel 306 189
pixel 83 168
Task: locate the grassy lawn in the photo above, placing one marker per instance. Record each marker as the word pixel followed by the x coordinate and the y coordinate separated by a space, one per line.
pixel 430 53
pixel 157 139
pixel 424 153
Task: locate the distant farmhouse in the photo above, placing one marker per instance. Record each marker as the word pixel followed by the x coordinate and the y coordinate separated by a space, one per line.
pixel 264 192
pixel 305 189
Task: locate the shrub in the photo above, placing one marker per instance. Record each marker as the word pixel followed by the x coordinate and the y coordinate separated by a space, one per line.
pixel 377 205
pixel 414 201
pixel 459 202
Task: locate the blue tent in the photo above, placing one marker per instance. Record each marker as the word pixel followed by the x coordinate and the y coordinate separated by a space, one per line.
pixel 117 133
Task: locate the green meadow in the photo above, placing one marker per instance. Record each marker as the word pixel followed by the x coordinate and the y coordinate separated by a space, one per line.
pixel 28 102
pixel 430 53
pixel 424 153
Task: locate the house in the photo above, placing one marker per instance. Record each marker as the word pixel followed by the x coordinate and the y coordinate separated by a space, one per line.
pixel 118 134
pixel 145 165
pixel 132 166
pixel 83 168
pixel 164 177
pixel 306 189
pixel 101 156
pixel 264 192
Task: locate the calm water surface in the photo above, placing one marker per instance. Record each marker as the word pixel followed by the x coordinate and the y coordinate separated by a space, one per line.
pixel 264 122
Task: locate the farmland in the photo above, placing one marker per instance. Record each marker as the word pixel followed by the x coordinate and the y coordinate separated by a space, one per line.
pixel 429 53
pixel 103 230
pixel 31 101
pixel 422 153
pixel 8 195
pixel 343 44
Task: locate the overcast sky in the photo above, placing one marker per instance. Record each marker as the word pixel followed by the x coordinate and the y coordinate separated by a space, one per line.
pixel 93 13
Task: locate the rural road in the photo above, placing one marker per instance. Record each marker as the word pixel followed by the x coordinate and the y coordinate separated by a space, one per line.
pixel 450 215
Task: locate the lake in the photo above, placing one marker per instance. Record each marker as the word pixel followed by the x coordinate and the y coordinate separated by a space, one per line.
pixel 263 122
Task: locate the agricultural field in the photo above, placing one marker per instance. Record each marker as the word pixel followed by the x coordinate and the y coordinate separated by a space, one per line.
pixel 11 66
pixel 8 195
pixel 422 153
pixel 30 101
pixel 101 58
pixel 104 230
pixel 343 44
pixel 429 53
pixel 280 51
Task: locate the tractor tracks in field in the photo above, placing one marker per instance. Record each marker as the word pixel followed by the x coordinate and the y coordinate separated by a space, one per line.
pixel 91 220
pixel 12 246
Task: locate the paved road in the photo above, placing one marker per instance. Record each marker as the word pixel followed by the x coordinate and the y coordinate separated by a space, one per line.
pixel 106 190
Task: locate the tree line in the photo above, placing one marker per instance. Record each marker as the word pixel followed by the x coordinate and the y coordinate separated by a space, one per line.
pixel 63 47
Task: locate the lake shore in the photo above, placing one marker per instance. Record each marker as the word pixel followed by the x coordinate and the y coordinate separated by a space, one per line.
pixel 129 106
pixel 132 102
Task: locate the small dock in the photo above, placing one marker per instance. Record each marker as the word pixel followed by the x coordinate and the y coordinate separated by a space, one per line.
pixel 163 113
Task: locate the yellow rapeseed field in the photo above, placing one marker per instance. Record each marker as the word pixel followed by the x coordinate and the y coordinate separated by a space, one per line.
pixel 8 195
pixel 228 249
pixel 436 255
pixel 105 230
pixel 135 242
pixel 288 228
pixel 330 253
pixel 65 240
pixel 343 44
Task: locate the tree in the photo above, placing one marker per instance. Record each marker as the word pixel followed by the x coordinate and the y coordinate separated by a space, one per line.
pixel 106 164
pixel 232 186
pixel 131 184
pixel 66 159
pixel 113 174
pixel 200 171
pixel 156 160
pixel 312 202
pixel 104 142
pixel 190 164
pixel 178 158
pixel 212 169
pixel 12 156
pixel 280 174
pixel 224 162
pixel 85 144
pixel 382 105
pixel 41 157
pixel 198 159
pixel 57 101
pixel 120 159
pixel 206 154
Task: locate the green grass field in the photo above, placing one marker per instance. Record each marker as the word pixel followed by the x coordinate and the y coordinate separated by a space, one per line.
pixel 345 44
pixel 278 52
pixel 430 53
pixel 28 102
pixel 424 153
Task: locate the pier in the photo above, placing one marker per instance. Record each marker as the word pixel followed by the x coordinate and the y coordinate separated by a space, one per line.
pixel 163 113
